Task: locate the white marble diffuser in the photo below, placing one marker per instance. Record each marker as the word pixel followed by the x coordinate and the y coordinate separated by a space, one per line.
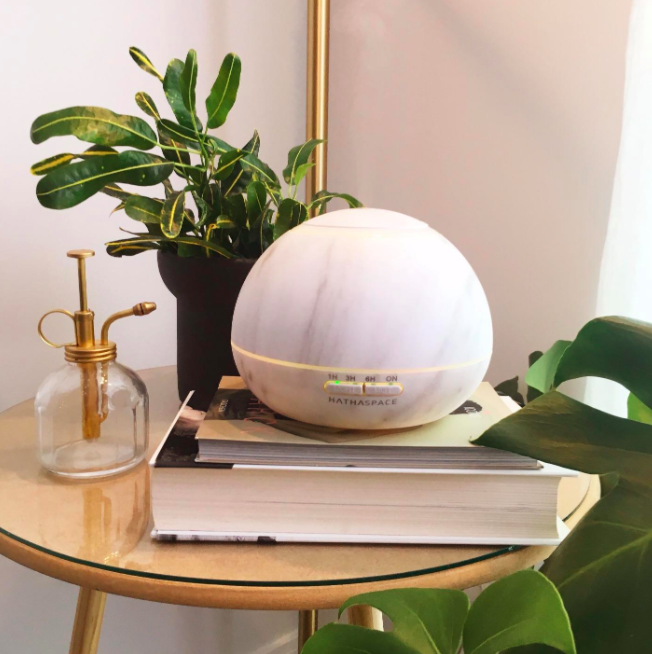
pixel 362 319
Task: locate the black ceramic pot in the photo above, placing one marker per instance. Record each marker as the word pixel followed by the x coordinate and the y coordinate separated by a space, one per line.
pixel 206 291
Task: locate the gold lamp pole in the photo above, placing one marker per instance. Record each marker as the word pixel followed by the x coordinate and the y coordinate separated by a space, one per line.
pixel 317 92
pixel 316 128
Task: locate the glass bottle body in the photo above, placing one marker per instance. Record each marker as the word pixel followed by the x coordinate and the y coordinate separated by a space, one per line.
pixel 93 419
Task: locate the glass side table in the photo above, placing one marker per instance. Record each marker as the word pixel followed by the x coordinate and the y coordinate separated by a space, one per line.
pixel 96 535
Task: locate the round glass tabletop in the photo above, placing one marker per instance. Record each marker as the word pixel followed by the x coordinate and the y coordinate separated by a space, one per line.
pixel 106 523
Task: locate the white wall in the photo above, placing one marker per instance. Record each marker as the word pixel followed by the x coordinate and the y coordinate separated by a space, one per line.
pixel 498 123
pixel 59 54
pixel 495 121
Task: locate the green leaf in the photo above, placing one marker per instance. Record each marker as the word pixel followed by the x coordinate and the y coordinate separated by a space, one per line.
pixel 204 245
pixel 256 201
pixel 533 393
pixel 252 146
pixel 175 151
pixel 424 619
pixel 127 247
pixel 239 178
pixel 188 85
pixel 322 198
pixel 350 639
pixel 97 151
pixel 213 197
pixel 60 160
pixel 68 186
pixel 510 388
pixel 173 93
pixel 274 192
pixel 601 566
pixel 521 609
pixel 636 410
pixel 169 189
pixel 144 62
pixel 299 156
pixel 172 214
pixel 563 431
pixel 205 209
pixel 261 232
pixel 226 164
pixel 114 191
pixel 619 349
pixel 301 172
pixel 222 222
pixel 260 170
pixel 176 132
pixel 225 89
pixel 541 374
pixel 237 210
pixel 218 146
pixel 94 125
pixel 144 209
pixel 147 105
pixel 290 214
pixel 120 207
pixel 51 163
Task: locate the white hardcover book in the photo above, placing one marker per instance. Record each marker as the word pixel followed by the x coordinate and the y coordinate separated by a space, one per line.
pixel 295 503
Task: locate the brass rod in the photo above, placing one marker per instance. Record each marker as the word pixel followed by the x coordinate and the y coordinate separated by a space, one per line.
pixel 307 627
pixel 366 616
pixel 91 419
pixel 317 91
pixel 83 299
pixel 88 621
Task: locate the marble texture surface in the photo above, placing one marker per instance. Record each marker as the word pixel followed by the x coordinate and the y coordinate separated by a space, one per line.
pixel 369 290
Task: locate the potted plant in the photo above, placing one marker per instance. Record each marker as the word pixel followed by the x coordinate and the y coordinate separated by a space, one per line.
pixel 226 210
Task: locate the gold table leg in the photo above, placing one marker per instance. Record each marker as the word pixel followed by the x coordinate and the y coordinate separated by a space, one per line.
pixel 307 627
pixel 88 621
pixel 366 616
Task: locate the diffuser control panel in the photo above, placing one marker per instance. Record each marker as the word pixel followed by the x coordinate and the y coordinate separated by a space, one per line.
pixel 338 387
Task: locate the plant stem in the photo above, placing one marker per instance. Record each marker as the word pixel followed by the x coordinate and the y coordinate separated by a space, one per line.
pixel 182 165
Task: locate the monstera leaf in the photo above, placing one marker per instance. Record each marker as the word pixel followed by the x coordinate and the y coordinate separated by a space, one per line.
pixel 602 568
pixel 521 609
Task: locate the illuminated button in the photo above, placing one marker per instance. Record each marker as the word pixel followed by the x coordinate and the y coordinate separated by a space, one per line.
pixel 343 388
pixel 390 388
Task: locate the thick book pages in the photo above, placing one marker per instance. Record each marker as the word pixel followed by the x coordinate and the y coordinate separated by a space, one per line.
pixel 239 429
pixel 269 503
pixel 251 503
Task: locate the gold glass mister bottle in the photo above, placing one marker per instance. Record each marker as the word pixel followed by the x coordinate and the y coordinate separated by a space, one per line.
pixel 92 413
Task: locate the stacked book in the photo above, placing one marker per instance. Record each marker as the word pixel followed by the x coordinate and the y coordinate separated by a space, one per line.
pixel 245 473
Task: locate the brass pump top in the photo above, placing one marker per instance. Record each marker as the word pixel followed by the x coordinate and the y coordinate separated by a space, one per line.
pixel 86 349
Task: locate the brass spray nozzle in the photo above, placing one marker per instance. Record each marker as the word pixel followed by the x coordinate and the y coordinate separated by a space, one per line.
pixel 141 309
